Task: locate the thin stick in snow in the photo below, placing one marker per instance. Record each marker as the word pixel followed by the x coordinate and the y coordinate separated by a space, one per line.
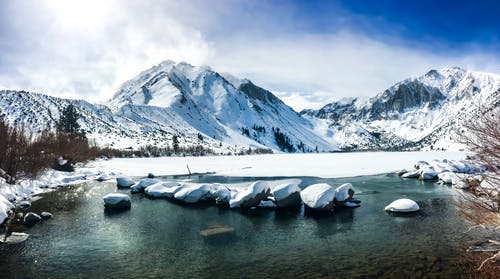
pixel 188 169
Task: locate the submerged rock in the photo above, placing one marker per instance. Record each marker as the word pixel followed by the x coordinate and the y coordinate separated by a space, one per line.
pixel 124 182
pixel 287 195
pixel 411 174
pixel 31 219
pixel 117 200
pixel 217 230
pixel 46 215
pixel 14 238
pixel 251 196
pixel 402 205
pixel 318 196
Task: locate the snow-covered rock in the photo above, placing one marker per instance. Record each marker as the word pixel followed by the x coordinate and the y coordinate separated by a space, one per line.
pixel 142 184
pixel 46 215
pixel 117 200
pixel 124 182
pixel 427 174
pixel 193 193
pixel 286 195
pixel 402 205
pixel 103 177
pixel 342 192
pixel 31 219
pixel 318 196
pixel 24 204
pixel 251 196
pixel 162 189
pixel 222 195
pixel 441 166
pixel 447 177
pixel 411 174
pixel 5 206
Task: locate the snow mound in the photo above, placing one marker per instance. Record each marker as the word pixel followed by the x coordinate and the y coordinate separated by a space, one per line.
pixel 318 196
pixel 342 192
pixel 116 200
pixel 193 193
pixel 124 182
pixel 402 205
pixel 428 174
pixel 286 195
pixel 251 196
pixel 142 184
pixel 162 190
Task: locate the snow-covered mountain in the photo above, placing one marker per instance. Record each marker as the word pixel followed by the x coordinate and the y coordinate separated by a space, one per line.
pixel 228 114
pixel 195 103
pixel 418 112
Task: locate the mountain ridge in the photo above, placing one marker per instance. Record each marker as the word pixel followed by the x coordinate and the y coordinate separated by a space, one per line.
pixel 229 114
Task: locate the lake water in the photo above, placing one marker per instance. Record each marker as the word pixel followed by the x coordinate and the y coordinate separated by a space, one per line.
pixel 160 238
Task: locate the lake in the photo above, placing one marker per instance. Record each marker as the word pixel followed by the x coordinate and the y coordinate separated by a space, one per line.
pixel 161 238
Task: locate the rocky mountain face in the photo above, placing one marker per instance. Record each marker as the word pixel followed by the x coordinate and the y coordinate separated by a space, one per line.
pixel 227 114
pixel 196 104
pixel 416 113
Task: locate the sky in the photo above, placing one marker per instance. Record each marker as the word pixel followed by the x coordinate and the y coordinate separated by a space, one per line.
pixel 308 53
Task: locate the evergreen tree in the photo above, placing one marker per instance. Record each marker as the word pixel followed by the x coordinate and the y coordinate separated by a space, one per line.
pixel 68 122
pixel 175 143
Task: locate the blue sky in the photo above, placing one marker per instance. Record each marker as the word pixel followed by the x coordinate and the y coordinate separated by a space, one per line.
pixel 307 52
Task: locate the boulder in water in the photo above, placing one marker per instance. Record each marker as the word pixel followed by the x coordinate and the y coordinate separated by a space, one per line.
pixel 318 196
pixel 428 174
pixel 411 174
pixel 31 219
pixel 287 195
pixel 193 193
pixel 402 205
pixel 124 182
pixel 143 184
pixel 251 196
pixel 117 200
pixel 46 215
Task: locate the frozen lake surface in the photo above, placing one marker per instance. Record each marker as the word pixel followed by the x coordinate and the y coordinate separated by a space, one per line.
pixel 326 165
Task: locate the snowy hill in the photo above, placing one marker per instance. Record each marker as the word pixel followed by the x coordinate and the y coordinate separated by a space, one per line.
pixel 415 113
pixel 195 103
pixel 228 114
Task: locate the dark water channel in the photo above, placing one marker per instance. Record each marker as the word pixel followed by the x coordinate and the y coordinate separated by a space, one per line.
pixel 160 238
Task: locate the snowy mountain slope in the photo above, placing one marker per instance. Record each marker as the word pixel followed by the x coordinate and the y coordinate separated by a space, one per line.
pixel 177 99
pixel 173 94
pixel 417 112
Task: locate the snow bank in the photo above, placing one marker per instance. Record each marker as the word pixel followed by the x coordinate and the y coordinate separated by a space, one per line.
pixel 5 206
pixel 402 205
pixel 318 196
pixel 327 165
pixel 251 196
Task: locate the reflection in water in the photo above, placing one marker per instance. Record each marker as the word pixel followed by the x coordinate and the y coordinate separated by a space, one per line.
pixel 161 238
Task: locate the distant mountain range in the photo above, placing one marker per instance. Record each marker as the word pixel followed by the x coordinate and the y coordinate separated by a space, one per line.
pixel 227 114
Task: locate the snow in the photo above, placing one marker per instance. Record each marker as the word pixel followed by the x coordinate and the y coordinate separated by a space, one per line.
pixel 342 192
pixel 402 205
pixel 327 165
pixel 5 206
pixel 428 174
pixel 142 184
pixel 318 196
pixel 284 190
pixel 162 190
pixel 115 198
pixel 255 192
pixel 124 182
pixel 193 193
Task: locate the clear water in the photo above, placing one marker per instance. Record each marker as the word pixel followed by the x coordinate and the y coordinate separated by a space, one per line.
pixel 160 238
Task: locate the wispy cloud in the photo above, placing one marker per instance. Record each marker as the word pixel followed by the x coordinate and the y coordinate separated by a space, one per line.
pixel 88 48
